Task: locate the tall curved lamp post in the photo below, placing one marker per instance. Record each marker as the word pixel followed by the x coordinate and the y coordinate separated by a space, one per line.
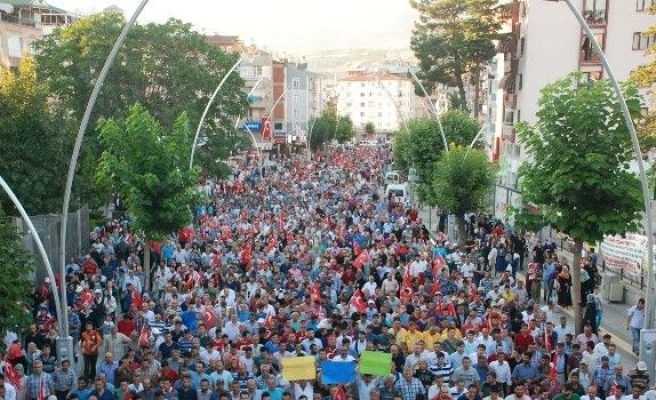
pixel 42 252
pixel 64 335
pixel 250 93
pixel 207 109
pixel 396 104
pixel 435 113
pixel 649 295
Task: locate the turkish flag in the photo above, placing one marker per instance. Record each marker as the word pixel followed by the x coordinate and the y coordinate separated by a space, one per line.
pixel 452 310
pixel 209 319
pixel 356 248
pixel 12 375
pixel 185 235
pixel 438 264
pixel 144 339
pixel 266 128
pixel 436 287
pixel 407 278
pixel 358 302
pixel 340 394
pixel 406 295
pixel 553 372
pixel 86 298
pixel 268 321
pixel 361 260
pixel 136 298
pixel 439 307
pixel 315 292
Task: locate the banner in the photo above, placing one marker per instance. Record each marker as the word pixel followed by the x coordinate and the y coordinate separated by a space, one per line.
pixel 298 368
pixel 336 372
pixel 624 253
pixel 375 363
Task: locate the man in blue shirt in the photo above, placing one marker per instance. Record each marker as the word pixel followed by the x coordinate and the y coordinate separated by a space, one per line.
pixel 525 371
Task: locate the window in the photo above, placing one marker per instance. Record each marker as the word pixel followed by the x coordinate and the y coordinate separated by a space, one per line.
pixel 349 104
pixel 295 114
pixel 371 104
pixel 380 114
pixel 522 44
pixel 297 99
pixel 32 47
pixel 642 41
pixel 588 53
pixel 520 81
pixel 361 94
pixel 595 12
pixel 362 114
pixel 591 76
pixel 643 5
pixel 15 45
pixel 362 105
pixel 296 83
pixel 519 115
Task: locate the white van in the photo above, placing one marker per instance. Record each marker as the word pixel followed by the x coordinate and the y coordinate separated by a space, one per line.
pixel 392 178
pixel 399 192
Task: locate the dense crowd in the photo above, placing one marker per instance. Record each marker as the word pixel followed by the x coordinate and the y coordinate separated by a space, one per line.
pixel 301 257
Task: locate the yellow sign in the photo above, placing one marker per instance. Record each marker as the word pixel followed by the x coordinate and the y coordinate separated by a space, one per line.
pixel 298 368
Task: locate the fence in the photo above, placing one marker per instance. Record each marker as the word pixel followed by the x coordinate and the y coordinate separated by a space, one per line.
pixel 47 227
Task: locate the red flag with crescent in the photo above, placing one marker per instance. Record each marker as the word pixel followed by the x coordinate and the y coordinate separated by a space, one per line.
pixel 209 319
pixel 358 302
pixel 361 260
pixel 452 310
pixel 356 248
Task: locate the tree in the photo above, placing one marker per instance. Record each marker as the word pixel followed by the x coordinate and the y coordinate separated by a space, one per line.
pixel 578 171
pixel 344 131
pixel 167 68
pixel 401 156
pixel 16 264
pixel 462 182
pixel 370 128
pixel 34 151
pixel 149 165
pixel 323 129
pixel 453 39
pixel 425 144
pixel 645 76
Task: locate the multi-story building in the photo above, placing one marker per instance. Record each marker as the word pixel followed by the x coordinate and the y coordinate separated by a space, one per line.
pixel 299 96
pixel 385 99
pixel 546 44
pixel 24 21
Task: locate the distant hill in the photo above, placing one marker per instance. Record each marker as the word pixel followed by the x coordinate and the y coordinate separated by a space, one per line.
pixel 340 61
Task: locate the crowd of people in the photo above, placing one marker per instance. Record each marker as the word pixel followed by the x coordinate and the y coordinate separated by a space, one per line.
pixel 309 258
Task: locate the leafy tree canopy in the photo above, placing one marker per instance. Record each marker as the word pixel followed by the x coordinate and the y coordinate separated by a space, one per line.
pixel 425 145
pixel 34 151
pixel 453 38
pixel 17 264
pixel 345 131
pixel 167 68
pixel 578 171
pixel 645 76
pixel 462 182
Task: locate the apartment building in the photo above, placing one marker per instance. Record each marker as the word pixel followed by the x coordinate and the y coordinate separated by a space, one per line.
pixel 386 99
pixel 299 96
pixel 22 22
pixel 547 43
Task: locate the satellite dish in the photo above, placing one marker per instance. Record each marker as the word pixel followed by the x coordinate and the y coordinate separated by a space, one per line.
pixel 6 8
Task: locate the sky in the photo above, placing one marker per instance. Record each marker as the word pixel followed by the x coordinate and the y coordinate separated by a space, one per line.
pixel 280 25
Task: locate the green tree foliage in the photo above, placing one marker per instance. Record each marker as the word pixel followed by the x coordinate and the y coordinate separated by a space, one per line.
pixel 16 264
pixel 453 39
pixel 645 76
pixel 425 145
pixel 370 128
pixel 34 152
pixel 149 165
pixel 345 131
pixel 167 68
pixel 323 129
pixel 578 171
pixel 401 156
pixel 462 182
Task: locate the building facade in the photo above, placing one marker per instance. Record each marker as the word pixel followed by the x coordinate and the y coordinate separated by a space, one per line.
pixel 387 100
pixel 22 22
pixel 546 44
pixel 299 96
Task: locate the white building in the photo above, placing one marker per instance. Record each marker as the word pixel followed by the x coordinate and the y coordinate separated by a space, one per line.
pixel 548 43
pixel 387 100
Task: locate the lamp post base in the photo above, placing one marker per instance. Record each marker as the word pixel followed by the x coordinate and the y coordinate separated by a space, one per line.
pixel 65 349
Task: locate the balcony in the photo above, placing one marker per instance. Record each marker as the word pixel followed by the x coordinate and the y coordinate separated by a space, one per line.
pixel 595 17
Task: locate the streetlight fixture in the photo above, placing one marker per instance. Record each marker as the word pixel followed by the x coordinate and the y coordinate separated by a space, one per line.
pixel 42 252
pixel 648 336
pixel 435 113
pixel 66 337
pixel 207 109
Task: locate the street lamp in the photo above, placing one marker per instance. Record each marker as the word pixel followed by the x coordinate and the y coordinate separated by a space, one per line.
pixel 42 251
pixel 647 335
pixel 250 93
pixel 435 113
pixel 68 340
pixel 207 109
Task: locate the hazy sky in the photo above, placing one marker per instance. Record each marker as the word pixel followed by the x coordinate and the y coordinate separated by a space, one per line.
pixel 281 25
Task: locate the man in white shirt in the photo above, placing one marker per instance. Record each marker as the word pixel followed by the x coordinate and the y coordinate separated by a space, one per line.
pixel 418 266
pixel 501 367
pixel 467 268
pixel 592 393
pixel 10 390
pixel 370 286
pixel 601 348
